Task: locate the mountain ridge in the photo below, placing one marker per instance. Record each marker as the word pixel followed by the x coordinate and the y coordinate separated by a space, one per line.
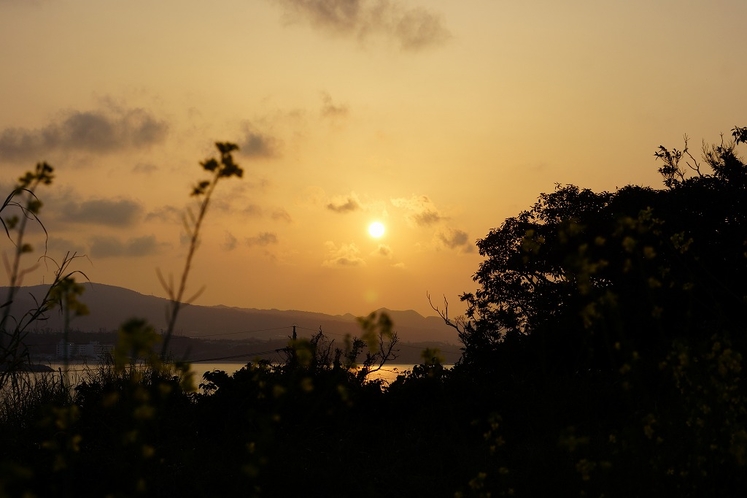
pixel 110 306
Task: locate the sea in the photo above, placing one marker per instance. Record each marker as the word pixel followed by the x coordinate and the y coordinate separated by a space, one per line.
pixel 388 373
pixel 77 371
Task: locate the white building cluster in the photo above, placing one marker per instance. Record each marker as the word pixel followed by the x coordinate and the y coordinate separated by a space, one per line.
pixel 72 350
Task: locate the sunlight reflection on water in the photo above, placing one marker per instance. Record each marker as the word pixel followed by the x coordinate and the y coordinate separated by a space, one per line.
pixel 388 372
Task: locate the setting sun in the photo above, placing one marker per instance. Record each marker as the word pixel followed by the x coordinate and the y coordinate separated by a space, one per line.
pixel 376 229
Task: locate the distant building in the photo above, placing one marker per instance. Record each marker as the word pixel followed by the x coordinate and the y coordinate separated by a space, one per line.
pixel 93 349
pixel 65 349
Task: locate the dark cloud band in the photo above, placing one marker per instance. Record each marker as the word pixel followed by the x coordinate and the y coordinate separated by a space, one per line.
pixel 88 131
pixel 412 29
pixel 120 213
pixel 109 247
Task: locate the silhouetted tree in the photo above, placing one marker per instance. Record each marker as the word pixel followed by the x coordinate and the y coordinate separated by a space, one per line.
pixel 586 270
pixel 608 330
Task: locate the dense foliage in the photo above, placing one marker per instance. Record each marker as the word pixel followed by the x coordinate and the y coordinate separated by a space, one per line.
pixel 611 329
pixel 603 356
pixel 638 264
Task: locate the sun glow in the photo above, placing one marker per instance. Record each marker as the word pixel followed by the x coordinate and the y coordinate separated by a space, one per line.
pixel 376 229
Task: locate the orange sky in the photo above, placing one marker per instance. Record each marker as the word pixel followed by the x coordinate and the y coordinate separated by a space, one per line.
pixel 437 118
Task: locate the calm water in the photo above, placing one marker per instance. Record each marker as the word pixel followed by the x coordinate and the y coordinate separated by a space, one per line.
pixel 388 373
pixel 77 371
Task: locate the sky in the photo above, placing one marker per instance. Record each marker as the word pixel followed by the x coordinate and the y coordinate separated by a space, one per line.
pixel 436 118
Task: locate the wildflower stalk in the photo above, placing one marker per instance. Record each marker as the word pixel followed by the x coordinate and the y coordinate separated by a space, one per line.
pixel 225 167
pixel 29 207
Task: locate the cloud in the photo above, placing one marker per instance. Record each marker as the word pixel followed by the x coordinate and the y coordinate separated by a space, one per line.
pixel 120 213
pixel 427 217
pixel 261 184
pixel 229 242
pixel 383 250
pixel 422 212
pixel 453 238
pixel 144 168
pixel 258 144
pixel 345 256
pixel 262 239
pixel 412 29
pixel 171 214
pixel 108 247
pixel 281 214
pixel 313 196
pixel 85 131
pixel 249 183
pixel 257 211
pixel 254 210
pixel 329 110
pixel 418 28
pixel 141 246
pixel 23 2
pixel 57 246
pixel 345 204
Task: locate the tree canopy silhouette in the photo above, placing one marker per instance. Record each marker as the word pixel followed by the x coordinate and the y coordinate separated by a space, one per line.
pixel 585 273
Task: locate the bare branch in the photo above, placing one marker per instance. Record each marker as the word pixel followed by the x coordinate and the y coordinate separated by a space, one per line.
pixel 457 324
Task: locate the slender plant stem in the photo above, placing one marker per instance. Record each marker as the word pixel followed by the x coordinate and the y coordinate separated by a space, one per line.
pixel 226 168
pixel 176 299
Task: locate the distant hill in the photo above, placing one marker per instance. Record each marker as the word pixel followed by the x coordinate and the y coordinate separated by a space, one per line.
pixel 110 306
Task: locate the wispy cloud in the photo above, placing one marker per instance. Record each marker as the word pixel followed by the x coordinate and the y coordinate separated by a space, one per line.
pixel 170 214
pixel 144 168
pixel 257 143
pixel 253 210
pixel 453 238
pixel 263 239
pixel 99 131
pixel 412 29
pixel 58 245
pixel 345 204
pixel 421 210
pixel 119 213
pixel 108 247
pixel 330 110
pixel 383 250
pixel 281 214
pixel 230 242
pixel 345 256
pixel 22 2
pixel 228 205
pixel 420 28
pixel 275 214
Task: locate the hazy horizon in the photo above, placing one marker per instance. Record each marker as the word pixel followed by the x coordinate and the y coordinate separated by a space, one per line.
pixel 90 286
